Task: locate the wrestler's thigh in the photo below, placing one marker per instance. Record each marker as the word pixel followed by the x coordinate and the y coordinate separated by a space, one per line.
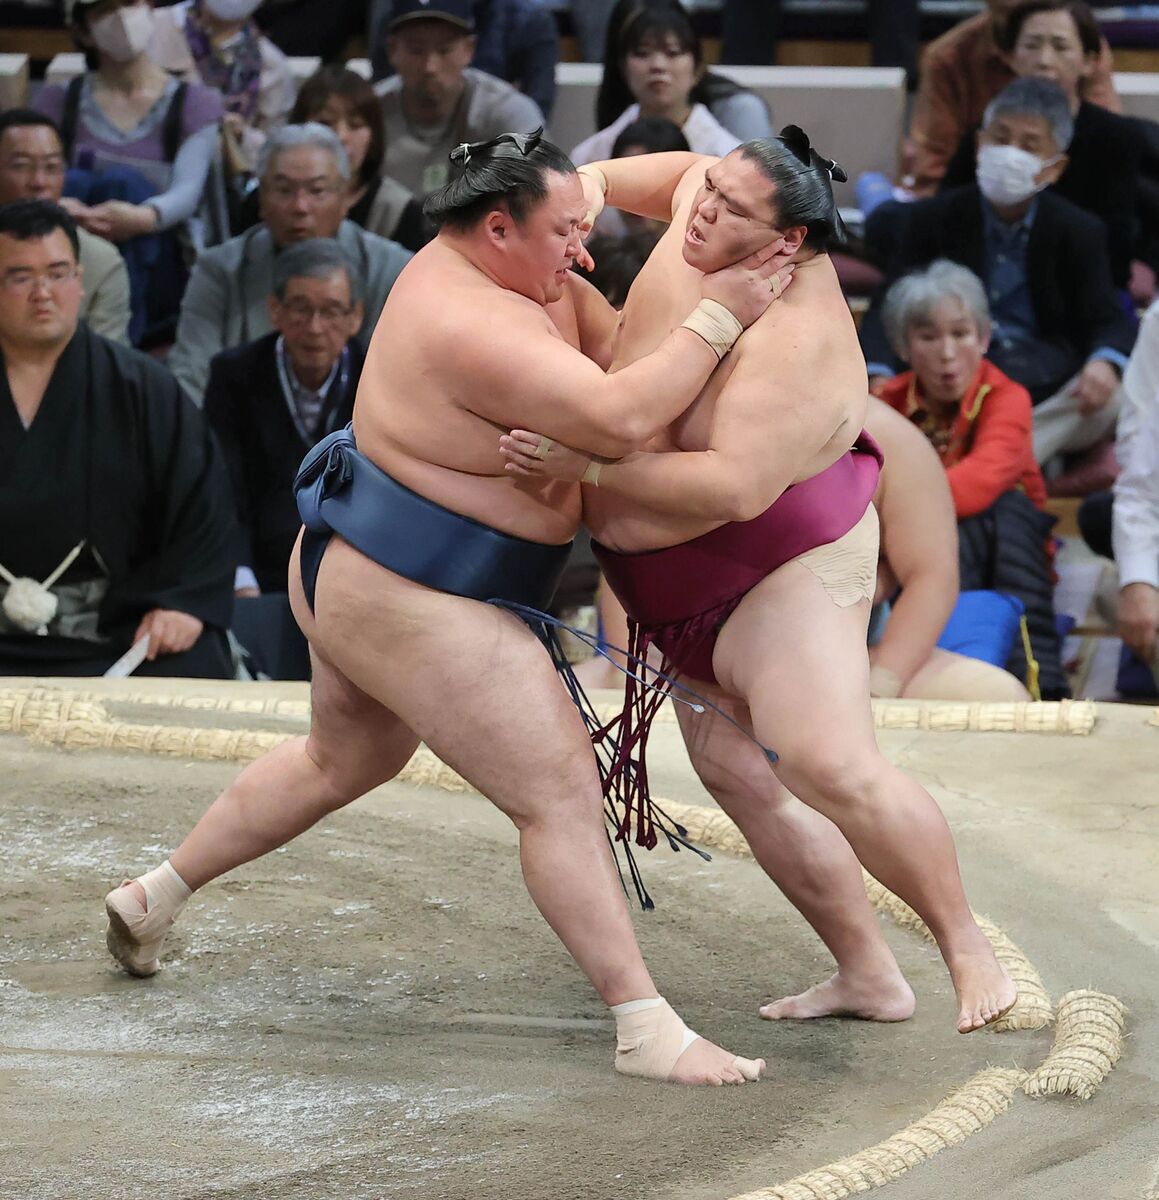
pixel 800 663
pixel 726 759
pixel 470 680
pixel 357 741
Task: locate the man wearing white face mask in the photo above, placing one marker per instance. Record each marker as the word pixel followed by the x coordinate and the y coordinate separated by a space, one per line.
pixel 1059 329
pixel 216 42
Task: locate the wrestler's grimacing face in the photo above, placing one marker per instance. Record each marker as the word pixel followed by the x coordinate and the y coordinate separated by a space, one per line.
pixel 732 215
pixel 542 248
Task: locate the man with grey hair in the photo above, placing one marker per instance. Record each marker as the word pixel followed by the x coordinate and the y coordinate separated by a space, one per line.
pixel 271 400
pixel 1058 327
pixel 303 171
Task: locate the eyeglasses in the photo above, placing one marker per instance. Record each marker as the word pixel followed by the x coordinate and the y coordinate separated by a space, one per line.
pixel 285 193
pixel 20 279
pixel 302 313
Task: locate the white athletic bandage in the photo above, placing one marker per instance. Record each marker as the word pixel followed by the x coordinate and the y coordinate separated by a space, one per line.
pixel 715 324
pixel 592 474
pixel 135 934
pixel 543 448
pixel 601 180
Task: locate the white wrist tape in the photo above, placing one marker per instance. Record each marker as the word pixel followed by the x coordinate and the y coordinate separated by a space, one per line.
pixel 592 474
pixel 715 324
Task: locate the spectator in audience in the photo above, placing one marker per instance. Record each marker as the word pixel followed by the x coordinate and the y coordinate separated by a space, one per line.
pixel 960 73
pixel 32 168
pixel 343 101
pixel 436 101
pixel 217 43
pixel 271 400
pixel 305 176
pixel 114 514
pixel 1135 531
pixel 653 66
pixel 979 422
pixel 1059 41
pixel 659 56
pixel 140 144
pixel 515 40
pixel 1059 328
pixel 1127 529
pixel 917 577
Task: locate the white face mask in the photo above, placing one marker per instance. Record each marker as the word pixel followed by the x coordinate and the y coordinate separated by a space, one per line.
pixel 1006 174
pixel 124 34
pixel 231 10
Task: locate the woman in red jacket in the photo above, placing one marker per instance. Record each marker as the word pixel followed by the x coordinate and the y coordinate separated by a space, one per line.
pixel 978 419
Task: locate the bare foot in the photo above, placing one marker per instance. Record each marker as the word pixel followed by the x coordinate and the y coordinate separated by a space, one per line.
pixel 985 990
pixel 890 999
pixel 706 1064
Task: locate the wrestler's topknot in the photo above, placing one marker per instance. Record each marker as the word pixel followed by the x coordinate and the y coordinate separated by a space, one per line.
pixel 804 185
pixel 510 169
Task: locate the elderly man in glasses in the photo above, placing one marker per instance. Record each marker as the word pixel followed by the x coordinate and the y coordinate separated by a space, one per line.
pixel 303 171
pixel 272 400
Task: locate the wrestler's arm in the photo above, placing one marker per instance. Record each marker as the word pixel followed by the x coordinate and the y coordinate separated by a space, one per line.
pixel 522 373
pixel 644 184
pixel 597 320
pixel 755 451
pixel 919 541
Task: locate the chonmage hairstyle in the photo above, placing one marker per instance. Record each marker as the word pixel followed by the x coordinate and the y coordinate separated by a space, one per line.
pixel 804 185
pixel 509 170
pixel 28 219
pixel 913 299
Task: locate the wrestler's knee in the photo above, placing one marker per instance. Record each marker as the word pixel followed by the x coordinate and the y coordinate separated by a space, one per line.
pixel 840 778
pixel 569 797
pixel 346 775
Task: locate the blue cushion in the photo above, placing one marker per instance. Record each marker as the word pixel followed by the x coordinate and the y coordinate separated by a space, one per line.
pixel 983 625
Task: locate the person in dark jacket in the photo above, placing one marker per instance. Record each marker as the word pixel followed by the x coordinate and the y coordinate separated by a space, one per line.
pixel 1059 329
pixel 1059 41
pixel 271 400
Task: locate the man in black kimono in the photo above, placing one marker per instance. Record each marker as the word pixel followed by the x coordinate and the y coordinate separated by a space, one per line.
pixel 115 515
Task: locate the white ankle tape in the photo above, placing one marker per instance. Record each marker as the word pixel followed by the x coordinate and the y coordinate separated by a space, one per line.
pixel 165 888
pixel 715 324
pixel 635 1006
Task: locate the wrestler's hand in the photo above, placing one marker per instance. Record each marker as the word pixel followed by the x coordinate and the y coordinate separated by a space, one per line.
pixel 171 631
pixel 748 287
pixel 593 187
pixel 530 454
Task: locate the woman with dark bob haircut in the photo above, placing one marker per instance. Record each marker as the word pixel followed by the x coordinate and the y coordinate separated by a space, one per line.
pixel 742 112
pixel 655 68
pixel 341 99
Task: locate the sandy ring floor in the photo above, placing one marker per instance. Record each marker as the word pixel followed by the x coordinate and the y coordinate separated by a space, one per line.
pixel 655 1174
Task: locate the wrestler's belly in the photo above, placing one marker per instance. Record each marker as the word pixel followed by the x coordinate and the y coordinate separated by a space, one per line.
pixel 623 525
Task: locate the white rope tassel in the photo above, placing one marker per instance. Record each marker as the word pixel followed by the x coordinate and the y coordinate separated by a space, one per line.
pixel 30 605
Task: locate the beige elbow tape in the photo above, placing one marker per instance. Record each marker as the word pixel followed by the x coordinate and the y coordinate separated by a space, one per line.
pixel 883 683
pixel 713 322
pixel 592 474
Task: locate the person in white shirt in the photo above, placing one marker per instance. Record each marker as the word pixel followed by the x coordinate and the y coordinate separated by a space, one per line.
pixel 659 57
pixel 1135 516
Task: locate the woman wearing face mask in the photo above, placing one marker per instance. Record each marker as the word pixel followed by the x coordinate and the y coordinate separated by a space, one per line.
pixel 140 144
pixel 216 42
pixel 345 102
pixel 659 55
pixel 1059 41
